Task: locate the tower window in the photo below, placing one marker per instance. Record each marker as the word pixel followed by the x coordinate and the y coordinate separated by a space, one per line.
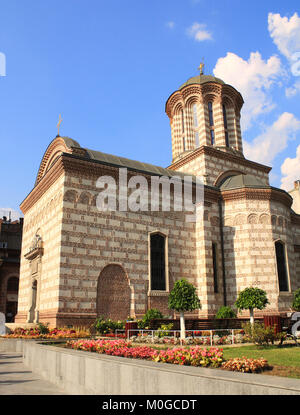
pixel 158 263
pixel 210 114
pixel 281 266
pixel 197 143
pixel 215 267
pixel 225 126
pixel 212 137
pixel 182 130
pixel 195 115
pixel 211 123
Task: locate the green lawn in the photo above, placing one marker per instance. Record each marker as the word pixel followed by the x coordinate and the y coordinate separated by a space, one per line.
pixel 285 359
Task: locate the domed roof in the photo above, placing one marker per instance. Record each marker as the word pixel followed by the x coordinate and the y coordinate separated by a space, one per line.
pixel 202 79
pixel 242 180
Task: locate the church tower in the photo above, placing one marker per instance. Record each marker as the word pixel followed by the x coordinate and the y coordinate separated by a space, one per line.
pixel 204 116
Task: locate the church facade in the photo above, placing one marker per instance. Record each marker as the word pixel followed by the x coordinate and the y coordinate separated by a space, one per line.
pixel 79 262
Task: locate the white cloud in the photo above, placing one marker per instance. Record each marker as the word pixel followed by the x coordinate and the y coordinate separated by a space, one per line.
pixel 253 79
pixel 285 33
pixel 293 90
pixel 199 32
pixel 9 212
pixel 273 140
pixel 290 170
pixel 170 25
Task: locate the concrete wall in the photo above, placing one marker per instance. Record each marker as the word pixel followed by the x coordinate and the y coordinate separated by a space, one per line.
pixel 79 372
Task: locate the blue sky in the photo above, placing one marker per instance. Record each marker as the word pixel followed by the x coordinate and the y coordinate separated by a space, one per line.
pixel 109 67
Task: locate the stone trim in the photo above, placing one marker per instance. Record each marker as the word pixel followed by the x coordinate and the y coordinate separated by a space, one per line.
pixel 43 185
pixel 211 151
pixel 258 194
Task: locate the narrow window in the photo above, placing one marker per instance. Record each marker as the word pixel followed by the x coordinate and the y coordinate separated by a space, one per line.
pixel 211 123
pixel 158 265
pixel 281 266
pixel 212 137
pixel 215 267
pixel 197 139
pixel 210 114
pixel 195 115
pixel 225 126
pixel 225 117
pixel 182 130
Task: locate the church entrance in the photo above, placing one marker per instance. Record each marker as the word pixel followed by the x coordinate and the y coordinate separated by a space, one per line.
pixel 113 293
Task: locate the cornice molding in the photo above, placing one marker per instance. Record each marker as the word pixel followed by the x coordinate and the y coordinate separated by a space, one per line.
pixel 211 151
pixel 271 193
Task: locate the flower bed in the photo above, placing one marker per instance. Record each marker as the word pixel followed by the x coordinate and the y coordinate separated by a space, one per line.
pixel 35 333
pixel 246 365
pixel 194 356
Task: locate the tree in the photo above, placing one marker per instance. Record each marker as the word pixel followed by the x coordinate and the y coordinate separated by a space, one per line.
pixel 183 298
pixel 296 300
pixel 251 298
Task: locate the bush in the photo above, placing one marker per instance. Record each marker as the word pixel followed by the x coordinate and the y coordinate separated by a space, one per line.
pixel 259 334
pixel 163 330
pixel 225 312
pixel 104 326
pixel 151 314
pixel 296 300
pixel 43 328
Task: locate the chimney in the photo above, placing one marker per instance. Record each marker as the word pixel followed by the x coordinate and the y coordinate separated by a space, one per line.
pixel 297 184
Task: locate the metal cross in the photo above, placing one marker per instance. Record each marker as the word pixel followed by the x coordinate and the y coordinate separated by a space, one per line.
pixel 200 68
pixel 58 124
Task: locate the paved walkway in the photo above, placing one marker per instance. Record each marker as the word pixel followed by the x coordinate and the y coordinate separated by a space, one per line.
pixel 16 379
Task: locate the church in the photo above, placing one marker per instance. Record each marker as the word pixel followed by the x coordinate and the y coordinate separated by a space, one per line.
pixel 79 262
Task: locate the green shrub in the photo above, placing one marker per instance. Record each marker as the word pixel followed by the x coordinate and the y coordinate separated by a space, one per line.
pixel 225 312
pixel 151 314
pixel 104 326
pixel 163 330
pixel 43 328
pixel 259 334
pixel 296 300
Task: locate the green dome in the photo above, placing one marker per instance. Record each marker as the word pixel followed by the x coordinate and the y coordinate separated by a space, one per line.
pixel 240 181
pixel 202 79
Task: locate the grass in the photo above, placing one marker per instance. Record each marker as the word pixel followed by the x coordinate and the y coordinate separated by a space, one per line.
pixel 285 360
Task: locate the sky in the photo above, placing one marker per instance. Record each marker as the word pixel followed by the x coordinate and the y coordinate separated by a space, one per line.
pixel 108 68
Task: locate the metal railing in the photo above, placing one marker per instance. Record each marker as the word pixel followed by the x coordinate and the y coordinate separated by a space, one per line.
pixel 195 333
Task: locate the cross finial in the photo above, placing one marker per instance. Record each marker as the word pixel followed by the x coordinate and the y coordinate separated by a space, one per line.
pixel 58 124
pixel 200 68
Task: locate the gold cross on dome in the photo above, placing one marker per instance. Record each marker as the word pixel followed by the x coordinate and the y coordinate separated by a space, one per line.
pixel 200 68
pixel 58 124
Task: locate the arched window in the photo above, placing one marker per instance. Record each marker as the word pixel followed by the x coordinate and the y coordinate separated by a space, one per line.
pixel 225 126
pixel 158 261
pixel 281 266
pixel 211 123
pixel 196 126
pixel 182 129
pixel 195 115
